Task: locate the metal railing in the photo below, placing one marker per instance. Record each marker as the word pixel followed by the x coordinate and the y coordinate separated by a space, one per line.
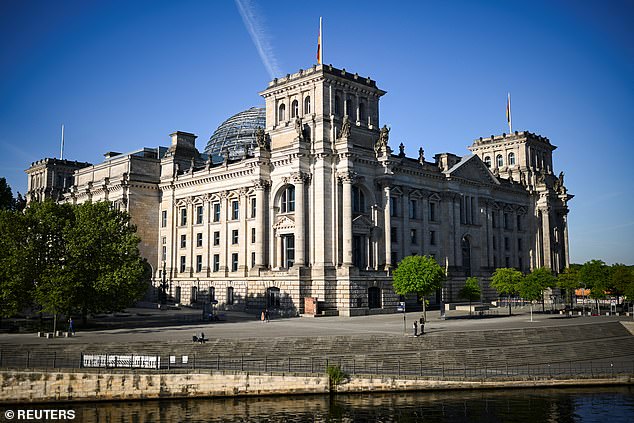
pixel 358 365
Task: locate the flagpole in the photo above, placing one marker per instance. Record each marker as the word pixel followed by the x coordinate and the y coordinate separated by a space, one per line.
pixel 61 151
pixel 509 117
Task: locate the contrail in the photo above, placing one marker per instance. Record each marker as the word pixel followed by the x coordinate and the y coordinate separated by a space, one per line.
pixel 261 40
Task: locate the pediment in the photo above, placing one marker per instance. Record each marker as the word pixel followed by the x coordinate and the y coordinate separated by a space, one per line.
pixel 473 169
pixel 284 222
pixel 434 197
pixel 362 222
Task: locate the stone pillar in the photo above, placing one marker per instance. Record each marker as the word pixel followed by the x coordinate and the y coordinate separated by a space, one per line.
pixel 388 228
pixel 346 180
pixel 565 246
pixel 546 238
pixel 260 224
pixel 224 242
pixel 300 226
pixel 243 235
pixel 279 247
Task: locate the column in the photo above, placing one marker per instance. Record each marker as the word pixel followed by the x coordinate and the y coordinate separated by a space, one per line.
pixel 243 235
pixel 259 224
pixel 300 229
pixel 346 180
pixel 388 228
pixel 224 242
pixel 566 255
pixel 278 257
pixel 546 238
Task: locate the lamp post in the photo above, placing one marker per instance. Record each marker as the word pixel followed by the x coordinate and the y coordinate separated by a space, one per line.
pixel 583 296
pixel 163 286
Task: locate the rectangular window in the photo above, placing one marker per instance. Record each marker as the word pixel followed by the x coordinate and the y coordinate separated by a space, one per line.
pixel 506 221
pixel 253 208
pixel 230 295
pixel 413 206
pixel 413 237
pixel 183 241
pixel 216 212
pixel 506 242
pixel 519 244
pixel 252 235
pixel 253 259
pixel 234 262
pixel 393 235
pixel 519 222
pixel 217 238
pixel 432 212
pixel 394 258
pixel 432 237
pixel 234 236
pixel 393 206
pixel 521 264
pixel 494 219
pixel 164 253
pixel 235 210
pixel 183 216
pixel 495 242
pixel 182 269
pixel 199 239
pixel 508 261
pixel 164 219
pixel 216 262
pixel 199 215
pixel 199 263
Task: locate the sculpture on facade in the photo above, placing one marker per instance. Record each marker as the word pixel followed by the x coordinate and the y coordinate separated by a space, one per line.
pixel 260 137
pixel 298 127
pixel 345 128
pixel 384 135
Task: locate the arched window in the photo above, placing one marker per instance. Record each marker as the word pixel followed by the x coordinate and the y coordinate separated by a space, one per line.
pixel 281 114
pixel 499 160
pixel 487 161
pixel 349 110
pixel 511 159
pixel 358 200
pixel 337 105
pixel 307 105
pixel 294 109
pixel 288 200
pixel 362 112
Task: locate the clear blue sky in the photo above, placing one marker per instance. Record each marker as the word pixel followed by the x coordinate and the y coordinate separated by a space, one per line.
pixel 124 74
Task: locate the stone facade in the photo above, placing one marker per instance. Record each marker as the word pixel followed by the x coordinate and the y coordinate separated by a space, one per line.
pixel 322 207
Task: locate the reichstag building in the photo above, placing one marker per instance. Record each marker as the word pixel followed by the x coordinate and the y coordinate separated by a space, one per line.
pixel 306 200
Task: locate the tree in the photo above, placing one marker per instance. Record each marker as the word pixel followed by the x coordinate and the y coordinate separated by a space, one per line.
pixel 470 291
pixel 506 281
pixel 109 273
pixel 543 278
pixel 568 280
pixel 15 277
pixel 595 274
pixel 621 278
pixel 6 196
pixel 418 275
pixel 531 287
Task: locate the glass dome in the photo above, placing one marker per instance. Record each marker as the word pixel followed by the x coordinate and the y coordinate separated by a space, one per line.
pixel 236 133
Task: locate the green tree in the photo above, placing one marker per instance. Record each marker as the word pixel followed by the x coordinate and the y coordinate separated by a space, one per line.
pixel 621 278
pixel 569 280
pixel 418 275
pixel 109 273
pixel 16 279
pixel 543 278
pixel 595 275
pixel 531 287
pixel 506 281
pixel 470 291
pixel 6 196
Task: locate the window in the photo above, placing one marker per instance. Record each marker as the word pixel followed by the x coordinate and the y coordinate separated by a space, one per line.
pixel 216 238
pixel 253 208
pixel 199 263
pixel 288 199
pixel 288 251
pixel 519 222
pixel 393 206
pixel 307 105
pixel 506 243
pixel 412 236
pixel 183 216
pixel 252 235
pixel 432 237
pixel 273 297
pixel 358 200
pixel 164 219
pixel 216 262
pixel 374 297
pixel 253 259
pixel 362 112
pixel 494 219
pixel 294 109
pixel 216 212
pixel 349 110
pixel 413 206
pixel 499 160
pixel 393 235
pixel 511 159
pixel 521 263
pixel 487 161
pixel 519 244
pixel 495 243
pixel 507 261
pixel 432 212
pixel 199 239
pixel 234 236
pixel 235 210
pixel 199 215
pixel 337 105
pixel 230 295
pixel 234 262
pixel 212 293
pixel 164 253
pixel 281 113
pixel 506 221
pixel 182 269
pixel 394 256
pixel 183 241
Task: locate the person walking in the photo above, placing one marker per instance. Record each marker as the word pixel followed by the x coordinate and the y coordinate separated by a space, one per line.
pixel 263 316
pixel 415 328
pixel 71 326
pixel 267 316
pixel 422 325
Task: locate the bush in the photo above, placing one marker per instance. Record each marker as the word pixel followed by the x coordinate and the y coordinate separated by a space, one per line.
pixel 335 375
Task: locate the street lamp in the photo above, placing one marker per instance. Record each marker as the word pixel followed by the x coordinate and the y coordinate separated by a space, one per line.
pixel 163 286
pixel 583 296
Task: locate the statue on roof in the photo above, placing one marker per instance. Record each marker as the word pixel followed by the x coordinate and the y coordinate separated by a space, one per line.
pixel 260 137
pixel 401 150
pixel 384 135
pixel 421 155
